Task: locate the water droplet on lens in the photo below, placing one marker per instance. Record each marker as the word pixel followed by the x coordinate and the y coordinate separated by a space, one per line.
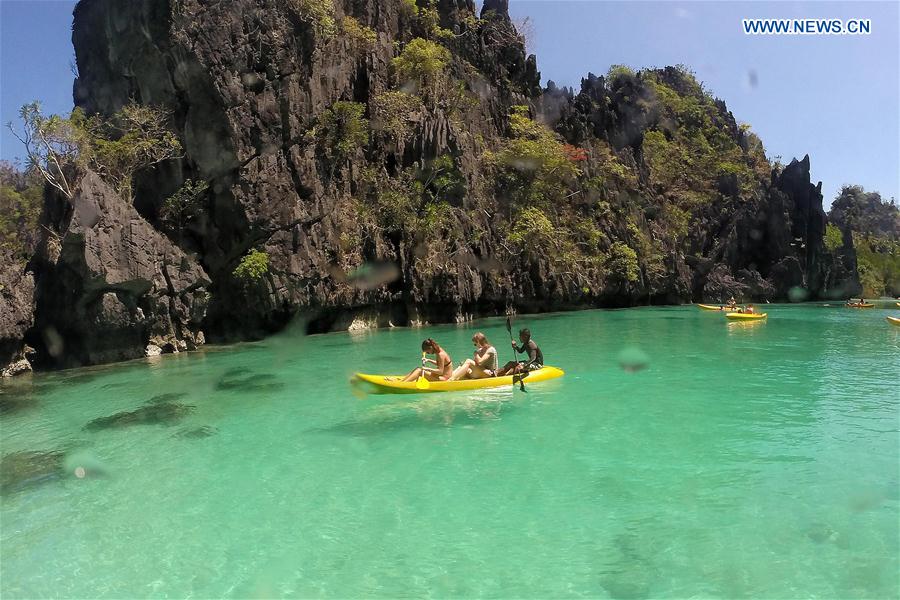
pixel 797 294
pixel 633 359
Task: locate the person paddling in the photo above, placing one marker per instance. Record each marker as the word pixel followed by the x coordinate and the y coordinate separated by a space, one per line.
pixel 535 356
pixel 483 362
pixel 443 365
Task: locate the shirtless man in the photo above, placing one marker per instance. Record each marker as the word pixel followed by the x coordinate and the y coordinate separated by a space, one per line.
pixel 535 356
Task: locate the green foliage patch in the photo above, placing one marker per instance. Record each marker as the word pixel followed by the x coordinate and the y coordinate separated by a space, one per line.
pixel 622 262
pixel 21 200
pixel 691 150
pixel 253 266
pixel 343 129
pixel 392 112
pixel 184 205
pixel 114 147
pixel 319 14
pixel 421 62
pixel 362 38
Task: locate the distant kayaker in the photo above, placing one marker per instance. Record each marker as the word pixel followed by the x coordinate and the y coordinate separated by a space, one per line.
pixel 731 303
pixel 443 365
pixel 535 356
pixel 483 362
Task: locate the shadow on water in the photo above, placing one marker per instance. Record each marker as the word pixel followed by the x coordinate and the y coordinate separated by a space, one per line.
pixel 422 415
pixel 196 433
pixel 632 574
pixel 166 398
pixel 117 385
pixel 259 382
pixel 163 413
pixel 17 400
pixel 30 468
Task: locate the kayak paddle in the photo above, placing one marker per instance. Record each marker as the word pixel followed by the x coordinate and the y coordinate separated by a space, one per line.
pixel 521 383
pixel 421 382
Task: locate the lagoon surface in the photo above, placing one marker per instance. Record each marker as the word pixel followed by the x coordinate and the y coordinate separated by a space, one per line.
pixel 744 460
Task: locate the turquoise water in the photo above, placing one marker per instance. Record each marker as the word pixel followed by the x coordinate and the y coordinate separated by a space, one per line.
pixel 755 460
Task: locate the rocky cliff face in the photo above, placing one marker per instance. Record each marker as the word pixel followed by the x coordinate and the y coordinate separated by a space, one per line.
pixel 421 223
pixel 16 315
pixel 109 286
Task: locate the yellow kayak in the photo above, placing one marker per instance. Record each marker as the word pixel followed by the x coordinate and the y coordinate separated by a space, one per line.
pixel 391 384
pixel 709 307
pixel 891 320
pixel 857 305
pixel 745 316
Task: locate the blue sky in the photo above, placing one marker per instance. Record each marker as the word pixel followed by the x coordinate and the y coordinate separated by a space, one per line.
pixel 836 98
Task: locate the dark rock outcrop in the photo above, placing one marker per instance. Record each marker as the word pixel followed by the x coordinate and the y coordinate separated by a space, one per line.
pixel 807 226
pixel 108 283
pixel 16 315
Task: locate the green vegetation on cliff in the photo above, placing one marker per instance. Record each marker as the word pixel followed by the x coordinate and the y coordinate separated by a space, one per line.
pixel 252 267
pixel 114 147
pixel 21 199
pixel 692 149
pixel 874 224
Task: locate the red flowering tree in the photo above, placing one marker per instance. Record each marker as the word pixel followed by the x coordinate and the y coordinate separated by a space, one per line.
pixel 574 153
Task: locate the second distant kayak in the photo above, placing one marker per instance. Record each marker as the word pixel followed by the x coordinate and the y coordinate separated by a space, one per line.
pixel 710 307
pixel 745 316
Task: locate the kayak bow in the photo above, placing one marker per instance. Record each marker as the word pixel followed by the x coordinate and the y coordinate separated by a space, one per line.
pixel 393 384
pixel 709 307
pixel 893 321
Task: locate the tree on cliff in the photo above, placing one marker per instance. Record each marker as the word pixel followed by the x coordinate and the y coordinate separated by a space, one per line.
pixel 20 208
pixel 61 148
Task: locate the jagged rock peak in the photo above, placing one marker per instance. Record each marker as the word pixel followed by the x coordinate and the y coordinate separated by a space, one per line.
pixel 500 8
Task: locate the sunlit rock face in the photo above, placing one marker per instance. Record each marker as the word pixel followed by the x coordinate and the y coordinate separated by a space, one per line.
pixel 249 84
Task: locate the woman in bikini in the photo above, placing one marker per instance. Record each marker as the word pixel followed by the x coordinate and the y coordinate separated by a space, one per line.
pixel 443 366
pixel 482 364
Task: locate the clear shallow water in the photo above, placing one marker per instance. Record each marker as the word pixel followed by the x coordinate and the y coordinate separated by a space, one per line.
pixel 751 460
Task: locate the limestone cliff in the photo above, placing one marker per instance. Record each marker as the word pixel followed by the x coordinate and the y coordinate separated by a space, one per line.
pixel 432 215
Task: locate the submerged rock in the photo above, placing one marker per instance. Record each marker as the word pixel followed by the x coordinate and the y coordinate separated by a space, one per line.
pixel 21 470
pixel 251 383
pixel 204 431
pixel 16 402
pixel 167 397
pixel 162 413
pixel 821 533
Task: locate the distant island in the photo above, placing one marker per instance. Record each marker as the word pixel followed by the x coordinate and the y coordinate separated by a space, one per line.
pixel 227 170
